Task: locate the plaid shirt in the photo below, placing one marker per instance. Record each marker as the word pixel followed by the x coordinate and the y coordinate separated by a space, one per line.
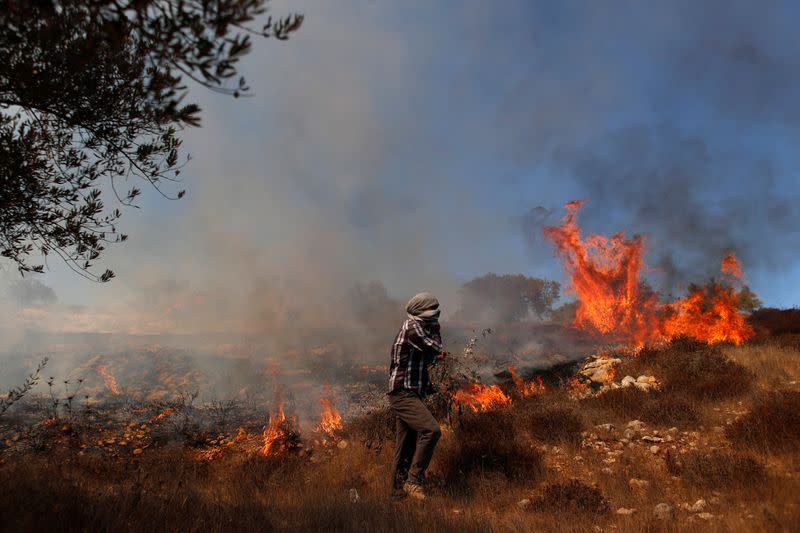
pixel 414 348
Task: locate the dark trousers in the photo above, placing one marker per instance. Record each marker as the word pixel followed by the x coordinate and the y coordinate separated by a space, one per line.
pixel 417 435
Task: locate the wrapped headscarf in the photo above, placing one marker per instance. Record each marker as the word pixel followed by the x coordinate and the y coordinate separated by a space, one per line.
pixel 424 307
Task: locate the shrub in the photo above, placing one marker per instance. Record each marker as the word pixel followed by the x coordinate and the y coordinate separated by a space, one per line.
pixel 550 423
pixel 669 410
pixel 373 429
pixel 488 442
pixel 715 469
pixel 573 496
pixel 691 368
pixel 773 424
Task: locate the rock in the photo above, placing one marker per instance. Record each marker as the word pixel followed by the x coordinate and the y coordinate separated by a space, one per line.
pixel 672 431
pixel 654 449
pixel 627 381
pixel 605 427
pixel 664 511
pixel 524 504
pixel 607 471
pixel 698 506
pixel 636 425
pixel 648 438
pixel 625 512
pixel 629 434
pixel 644 387
pixel 638 484
pixel 714 500
pixel 705 516
pixel 354 497
pixel 342 444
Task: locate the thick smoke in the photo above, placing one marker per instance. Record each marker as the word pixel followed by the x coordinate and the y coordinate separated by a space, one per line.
pixel 407 143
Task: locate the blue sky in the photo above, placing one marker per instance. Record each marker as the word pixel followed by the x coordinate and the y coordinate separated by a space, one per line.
pixel 408 142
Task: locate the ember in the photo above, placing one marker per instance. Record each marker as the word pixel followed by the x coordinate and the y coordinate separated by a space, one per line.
pixel 108 379
pixel 481 397
pixel 605 275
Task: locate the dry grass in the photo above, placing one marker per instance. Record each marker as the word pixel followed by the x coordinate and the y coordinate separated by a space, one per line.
pixel 775 362
pixel 773 424
pixel 573 496
pixel 716 469
pixel 539 449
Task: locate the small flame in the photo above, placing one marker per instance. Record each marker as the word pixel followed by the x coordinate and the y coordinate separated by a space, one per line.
pixel 162 415
pixel 108 379
pixel 273 432
pixel 481 397
pixel 531 388
pixel 732 266
pixel 577 388
pixel 330 419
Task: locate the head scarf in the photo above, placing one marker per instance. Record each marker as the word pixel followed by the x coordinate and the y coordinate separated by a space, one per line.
pixel 423 307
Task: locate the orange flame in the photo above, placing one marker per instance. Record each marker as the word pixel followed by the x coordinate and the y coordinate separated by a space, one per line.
pixel 732 266
pixel 108 379
pixel 162 415
pixel 330 419
pixel 605 276
pixel 577 388
pixel 710 315
pixel 527 389
pixel 481 397
pixel 273 432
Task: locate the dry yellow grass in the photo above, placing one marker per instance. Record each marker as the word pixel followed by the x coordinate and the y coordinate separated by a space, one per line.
pixel 165 488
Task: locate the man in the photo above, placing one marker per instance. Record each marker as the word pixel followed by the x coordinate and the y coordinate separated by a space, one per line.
pixel 417 345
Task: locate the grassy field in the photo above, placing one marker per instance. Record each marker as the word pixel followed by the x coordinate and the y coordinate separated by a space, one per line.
pixel 718 444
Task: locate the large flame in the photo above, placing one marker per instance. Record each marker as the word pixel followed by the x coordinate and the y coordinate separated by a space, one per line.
pixel 605 276
pixel 330 420
pixel 108 379
pixel 481 397
pixel 530 388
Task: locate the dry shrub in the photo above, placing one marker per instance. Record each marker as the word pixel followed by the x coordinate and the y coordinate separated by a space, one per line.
pixel 373 429
pixel 715 469
pixel 624 403
pixel 773 424
pixel 550 422
pixel 694 369
pixel 488 442
pixel 669 410
pixel 775 321
pixel 573 496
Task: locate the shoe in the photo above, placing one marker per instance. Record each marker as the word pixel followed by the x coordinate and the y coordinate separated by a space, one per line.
pixel 415 490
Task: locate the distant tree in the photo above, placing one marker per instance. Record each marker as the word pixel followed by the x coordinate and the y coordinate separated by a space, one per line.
pixel 31 292
pixel 92 95
pixel 507 298
pixel 564 313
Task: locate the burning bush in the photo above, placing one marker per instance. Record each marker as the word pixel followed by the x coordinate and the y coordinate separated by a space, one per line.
pixel 488 442
pixel 715 469
pixel 772 425
pixel 571 497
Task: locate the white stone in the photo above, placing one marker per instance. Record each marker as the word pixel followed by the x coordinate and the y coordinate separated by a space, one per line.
pixel 664 511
